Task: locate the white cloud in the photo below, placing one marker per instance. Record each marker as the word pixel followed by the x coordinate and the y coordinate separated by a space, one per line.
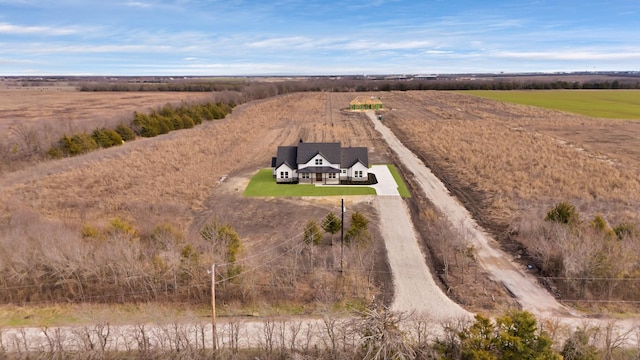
pixel 41 48
pixel 570 55
pixel 139 4
pixel 6 28
pixel 5 61
pixel 278 43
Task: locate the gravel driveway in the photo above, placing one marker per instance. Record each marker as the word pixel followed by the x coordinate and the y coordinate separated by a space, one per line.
pixel 529 294
pixel 415 289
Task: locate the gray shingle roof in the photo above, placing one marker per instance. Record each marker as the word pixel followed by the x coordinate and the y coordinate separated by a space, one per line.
pixel 352 155
pixel 287 155
pixel 304 152
pixel 330 151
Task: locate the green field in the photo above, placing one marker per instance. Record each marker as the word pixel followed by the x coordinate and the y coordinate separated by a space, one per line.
pixel 263 184
pixel 613 104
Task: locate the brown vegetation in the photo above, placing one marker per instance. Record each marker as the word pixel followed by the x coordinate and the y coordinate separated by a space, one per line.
pixel 32 120
pixel 124 223
pixel 510 164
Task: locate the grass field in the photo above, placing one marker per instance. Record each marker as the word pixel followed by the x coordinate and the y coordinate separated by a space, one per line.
pixel 263 184
pixel 612 104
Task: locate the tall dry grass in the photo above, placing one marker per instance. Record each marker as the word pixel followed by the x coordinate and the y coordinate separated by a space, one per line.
pixel 172 179
pixel 513 163
pixel 508 154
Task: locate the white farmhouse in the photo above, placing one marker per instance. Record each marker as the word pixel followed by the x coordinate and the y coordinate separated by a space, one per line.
pixel 320 163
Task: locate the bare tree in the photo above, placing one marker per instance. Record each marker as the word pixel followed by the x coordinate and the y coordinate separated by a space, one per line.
pixel 382 336
pixel 28 136
pixel 613 338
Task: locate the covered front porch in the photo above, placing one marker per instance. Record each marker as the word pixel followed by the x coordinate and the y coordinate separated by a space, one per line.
pixel 319 175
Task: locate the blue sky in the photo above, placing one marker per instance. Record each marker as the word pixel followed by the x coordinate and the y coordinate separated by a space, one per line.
pixel 316 37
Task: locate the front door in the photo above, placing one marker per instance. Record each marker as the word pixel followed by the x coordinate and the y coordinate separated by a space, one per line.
pixel 319 177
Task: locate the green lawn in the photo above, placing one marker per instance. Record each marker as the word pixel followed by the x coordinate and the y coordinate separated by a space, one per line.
pixel 613 104
pixel 263 184
pixel 402 187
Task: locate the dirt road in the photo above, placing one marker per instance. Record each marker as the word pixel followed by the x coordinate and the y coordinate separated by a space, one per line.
pixel 529 294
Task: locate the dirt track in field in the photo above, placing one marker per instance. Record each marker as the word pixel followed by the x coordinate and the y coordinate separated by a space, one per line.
pixel 529 294
pixel 503 159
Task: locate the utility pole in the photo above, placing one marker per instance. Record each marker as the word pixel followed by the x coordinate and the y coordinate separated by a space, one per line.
pixel 342 236
pixel 214 331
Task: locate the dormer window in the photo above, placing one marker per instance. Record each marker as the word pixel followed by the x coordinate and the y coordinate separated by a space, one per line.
pixel 318 161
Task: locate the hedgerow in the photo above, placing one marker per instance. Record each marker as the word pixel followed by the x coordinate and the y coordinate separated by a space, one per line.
pixel 152 124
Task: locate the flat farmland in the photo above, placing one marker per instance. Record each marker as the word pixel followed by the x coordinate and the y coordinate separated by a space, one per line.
pixel 506 160
pixel 614 104
pixel 54 112
pixel 180 169
pixel 168 187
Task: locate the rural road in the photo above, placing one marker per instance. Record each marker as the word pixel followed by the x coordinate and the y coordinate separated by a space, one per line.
pixel 525 289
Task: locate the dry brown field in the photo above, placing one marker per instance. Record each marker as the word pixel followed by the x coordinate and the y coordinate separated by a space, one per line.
pixel 54 111
pixel 189 178
pixel 180 170
pixel 506 160
pixel 510 164
pixel 503 161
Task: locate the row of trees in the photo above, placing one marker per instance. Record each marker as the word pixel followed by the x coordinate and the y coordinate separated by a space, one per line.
pixel 253 88
pixel 116 263
pixel 169 118
pixel 123 263
pixel 375 333
pixel 157 122
pixel 584 259
pixel 158 86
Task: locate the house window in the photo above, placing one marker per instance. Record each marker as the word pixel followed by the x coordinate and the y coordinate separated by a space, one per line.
pixel 332 176
pixel 318 161
pixel 284 174
pixel 344 171
pixel 358 173
pixel 306 176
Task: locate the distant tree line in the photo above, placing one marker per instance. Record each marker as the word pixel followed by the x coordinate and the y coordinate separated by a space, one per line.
pixel 254 90
pixel 157 122
pixel 178 86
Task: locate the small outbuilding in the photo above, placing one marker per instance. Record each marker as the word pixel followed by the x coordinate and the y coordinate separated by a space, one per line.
pixel 365 103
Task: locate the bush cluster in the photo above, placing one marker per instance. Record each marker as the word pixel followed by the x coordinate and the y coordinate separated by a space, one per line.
pixel 585 259
pixel 169 118
pixel 155 123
